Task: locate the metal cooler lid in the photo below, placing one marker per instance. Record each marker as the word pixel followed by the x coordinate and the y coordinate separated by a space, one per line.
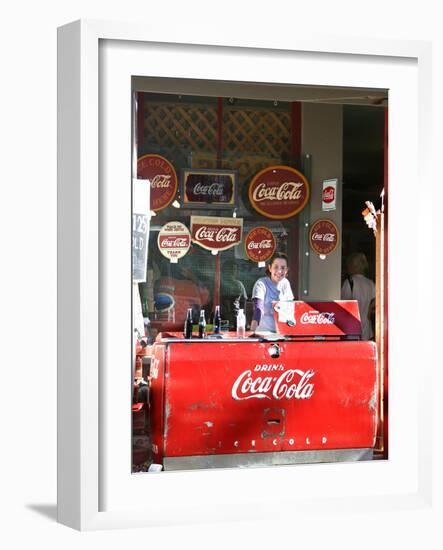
pixel 338 318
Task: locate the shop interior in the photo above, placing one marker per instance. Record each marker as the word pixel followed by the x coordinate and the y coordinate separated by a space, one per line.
pixel 323 132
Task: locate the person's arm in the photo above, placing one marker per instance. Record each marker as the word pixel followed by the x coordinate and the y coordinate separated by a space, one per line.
pixel 259 307
pixel 258 297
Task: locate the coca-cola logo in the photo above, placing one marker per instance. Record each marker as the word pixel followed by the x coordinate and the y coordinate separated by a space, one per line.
pixel 289 190
pixel 216 233
pixel 279 192
pixel 212 189
pixel 317 318
pixel 203 187
pixel 259 244
pixel 174 240
pixel 266 244
pixel 163 179
pixel 323 236
pixel 328 194
pixel 289 384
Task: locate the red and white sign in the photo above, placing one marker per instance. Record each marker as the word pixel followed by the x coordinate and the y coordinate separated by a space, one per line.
pixel 329 195
pixel 333 318
pixel 290 384
pixel 216 233
pixel 315 396
pixel 279 192
pixel 174 241
pixel 260 244
pixel 323 237
pixel 160 172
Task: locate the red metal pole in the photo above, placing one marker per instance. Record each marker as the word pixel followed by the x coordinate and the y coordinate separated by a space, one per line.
pixel 217 273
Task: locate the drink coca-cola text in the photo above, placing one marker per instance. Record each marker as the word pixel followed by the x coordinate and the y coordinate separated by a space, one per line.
pixel 291 384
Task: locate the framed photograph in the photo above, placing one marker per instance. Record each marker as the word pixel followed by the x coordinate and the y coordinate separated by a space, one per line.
pixel 101 68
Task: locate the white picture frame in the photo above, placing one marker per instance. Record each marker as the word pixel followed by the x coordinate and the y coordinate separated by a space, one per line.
pixel 96 489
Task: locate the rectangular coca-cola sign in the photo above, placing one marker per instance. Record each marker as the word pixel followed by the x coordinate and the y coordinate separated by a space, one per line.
pixel 201 188
pixel 216 233
pixel 309 319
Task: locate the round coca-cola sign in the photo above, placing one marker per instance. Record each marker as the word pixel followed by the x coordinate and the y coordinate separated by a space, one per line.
pixel 174 240
pixel 259 244
pixel 279 192
pixel 323 237
pixel 163 180
pixel 328 194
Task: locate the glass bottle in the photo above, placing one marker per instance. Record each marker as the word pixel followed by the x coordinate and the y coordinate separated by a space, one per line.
pixel 188 324
pixel 202 325
pixel 241 324
pixel 217 320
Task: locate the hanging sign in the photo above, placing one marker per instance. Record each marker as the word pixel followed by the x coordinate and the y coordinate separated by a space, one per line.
pixel 329 195
pixel 160 172
pixel 174 241
pixel 260 244
pixel 279 192
pixel 207 189
pixel 140 229
pixel 323 237
pixel 216 234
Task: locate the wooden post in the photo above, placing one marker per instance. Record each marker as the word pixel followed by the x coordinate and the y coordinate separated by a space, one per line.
pixel 381 312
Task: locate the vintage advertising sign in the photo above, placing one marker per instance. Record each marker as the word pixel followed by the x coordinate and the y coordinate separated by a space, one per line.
pixel 160 172
pixel 329 195
pixel 260 244
pixel 216 234
pixel 323 237
pixel 209 188
pixel 174 241
pixel 279 192
pixel 314 396
pixel 334 318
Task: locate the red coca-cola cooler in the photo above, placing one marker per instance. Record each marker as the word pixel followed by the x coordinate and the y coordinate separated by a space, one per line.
pixel 308 393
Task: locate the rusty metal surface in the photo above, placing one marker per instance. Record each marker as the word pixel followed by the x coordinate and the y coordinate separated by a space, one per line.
pixel 242 460
pixel 226 398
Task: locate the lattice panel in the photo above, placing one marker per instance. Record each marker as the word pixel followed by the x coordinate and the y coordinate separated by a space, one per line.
pixel 190 126
pixel 255 130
